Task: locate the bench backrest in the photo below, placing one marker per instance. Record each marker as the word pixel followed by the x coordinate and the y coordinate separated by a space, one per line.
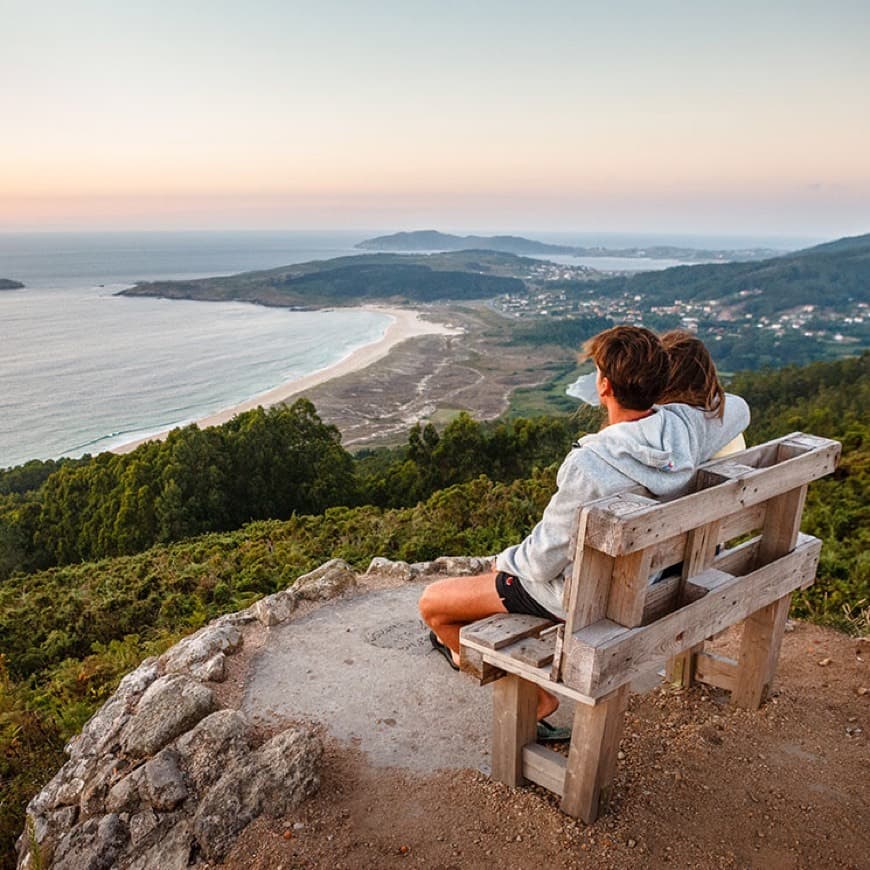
pixel 619 624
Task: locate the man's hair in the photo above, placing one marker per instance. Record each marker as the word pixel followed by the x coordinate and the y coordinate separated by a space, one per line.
pixel 693 379
pixel 633 360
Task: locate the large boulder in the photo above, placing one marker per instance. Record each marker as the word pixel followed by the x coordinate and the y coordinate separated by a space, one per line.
pixel 205 644
pixel 381 567
pixel 96 844
pixel 164 781
pixel 274 779
pixel 168 851
pixel 328 581
pixel 172 705
pixel 217 742
pixel 274 609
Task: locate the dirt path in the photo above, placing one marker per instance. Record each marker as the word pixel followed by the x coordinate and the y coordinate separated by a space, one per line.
pixel 699 784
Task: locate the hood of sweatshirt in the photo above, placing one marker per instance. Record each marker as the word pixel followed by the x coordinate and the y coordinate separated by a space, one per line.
pixel 661 451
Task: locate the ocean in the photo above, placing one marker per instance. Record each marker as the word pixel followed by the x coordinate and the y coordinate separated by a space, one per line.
pixel 83 370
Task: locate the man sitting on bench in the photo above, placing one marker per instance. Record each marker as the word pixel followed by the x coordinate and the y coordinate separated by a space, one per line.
pixel 654 447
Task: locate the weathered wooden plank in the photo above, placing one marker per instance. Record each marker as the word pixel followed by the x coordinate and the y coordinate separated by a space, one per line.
pixel 646 527
pixel 700 552
pixel 661 598
pixel 534 651
pixel 715 670
pixel 703 584
pixel 590 588
pixel 763 630
pixel 759 653
pixel 741 522
pixel 514 703
pixel 471 662
pixel 628 588
pixel 665 596
pixel 760 456
pixel 539 676
pixel 672 550
pixel 597 669
pixel 592 757
pixel 738 560
pixel 585 596
pixel 700 549
pixel 545 767
pixel 782 525
pixel 503 629
pixel 722 471
pixel 802 441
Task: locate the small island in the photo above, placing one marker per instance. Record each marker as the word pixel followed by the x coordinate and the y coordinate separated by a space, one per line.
pixel 9 284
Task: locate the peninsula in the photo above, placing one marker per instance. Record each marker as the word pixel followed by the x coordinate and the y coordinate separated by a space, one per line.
pixel 432 240
pixel 389 278
pixel 9 284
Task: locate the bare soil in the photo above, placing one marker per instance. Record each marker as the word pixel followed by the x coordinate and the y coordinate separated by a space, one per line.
pixel 474 372
pixel 699 784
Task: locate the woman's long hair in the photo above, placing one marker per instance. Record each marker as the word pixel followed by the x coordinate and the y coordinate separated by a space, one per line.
pixel 693 379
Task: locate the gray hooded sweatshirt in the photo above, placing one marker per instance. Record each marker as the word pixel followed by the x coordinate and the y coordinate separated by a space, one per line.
pixel 659 452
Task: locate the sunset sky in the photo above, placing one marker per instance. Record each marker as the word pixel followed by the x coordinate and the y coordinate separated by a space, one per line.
pixel 585 116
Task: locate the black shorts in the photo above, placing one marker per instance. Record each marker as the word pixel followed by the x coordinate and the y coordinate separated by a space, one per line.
pixel 517 600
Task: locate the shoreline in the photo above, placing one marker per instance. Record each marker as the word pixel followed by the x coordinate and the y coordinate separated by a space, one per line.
pixel 406 323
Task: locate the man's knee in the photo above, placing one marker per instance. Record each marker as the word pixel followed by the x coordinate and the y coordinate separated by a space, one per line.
pixel 428 605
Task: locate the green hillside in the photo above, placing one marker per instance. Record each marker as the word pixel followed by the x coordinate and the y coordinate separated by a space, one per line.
pixel 347 280
pixel 828 276
pixel 69 632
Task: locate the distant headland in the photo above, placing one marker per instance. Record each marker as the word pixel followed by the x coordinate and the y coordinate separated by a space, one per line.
pixel 432 240
pixel 9 284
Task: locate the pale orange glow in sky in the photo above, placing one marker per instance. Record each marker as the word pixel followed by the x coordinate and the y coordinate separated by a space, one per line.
pixel 569 117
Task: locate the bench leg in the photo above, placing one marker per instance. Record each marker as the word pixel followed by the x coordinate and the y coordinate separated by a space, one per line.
pixel 592 757
pixel 759 653
pixel 514 704
pixel 681 668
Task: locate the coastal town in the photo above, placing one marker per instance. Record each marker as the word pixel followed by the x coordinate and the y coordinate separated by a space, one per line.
pixel 718 318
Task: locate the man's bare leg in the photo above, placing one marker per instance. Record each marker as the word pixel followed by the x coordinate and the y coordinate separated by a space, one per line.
pixel 447 605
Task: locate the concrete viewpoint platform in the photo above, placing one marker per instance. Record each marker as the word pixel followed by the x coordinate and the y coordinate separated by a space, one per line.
pixel 364 667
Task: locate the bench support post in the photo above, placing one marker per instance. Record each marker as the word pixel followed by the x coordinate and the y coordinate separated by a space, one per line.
pixel 592 756
pixel 514 724
pixel 763 631
pixel 759 653
pixel 700 551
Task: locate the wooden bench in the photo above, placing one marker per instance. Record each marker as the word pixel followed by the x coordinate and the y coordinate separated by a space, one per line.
pixel 736 538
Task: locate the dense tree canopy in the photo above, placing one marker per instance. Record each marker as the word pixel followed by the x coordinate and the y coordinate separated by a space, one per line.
pixel 262 464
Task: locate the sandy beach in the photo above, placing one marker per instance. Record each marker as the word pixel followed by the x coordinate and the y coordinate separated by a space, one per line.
pixel 405 324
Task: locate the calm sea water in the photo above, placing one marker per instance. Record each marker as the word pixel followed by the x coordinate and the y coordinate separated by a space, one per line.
pixel 83 370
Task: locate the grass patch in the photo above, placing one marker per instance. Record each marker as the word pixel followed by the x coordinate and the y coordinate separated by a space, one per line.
pixel 549 397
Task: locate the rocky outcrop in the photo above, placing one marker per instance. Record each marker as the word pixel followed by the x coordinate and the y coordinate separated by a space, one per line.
pixel 160 776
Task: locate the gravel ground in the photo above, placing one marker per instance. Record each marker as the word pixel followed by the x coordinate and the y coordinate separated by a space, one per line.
pixel 699 784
